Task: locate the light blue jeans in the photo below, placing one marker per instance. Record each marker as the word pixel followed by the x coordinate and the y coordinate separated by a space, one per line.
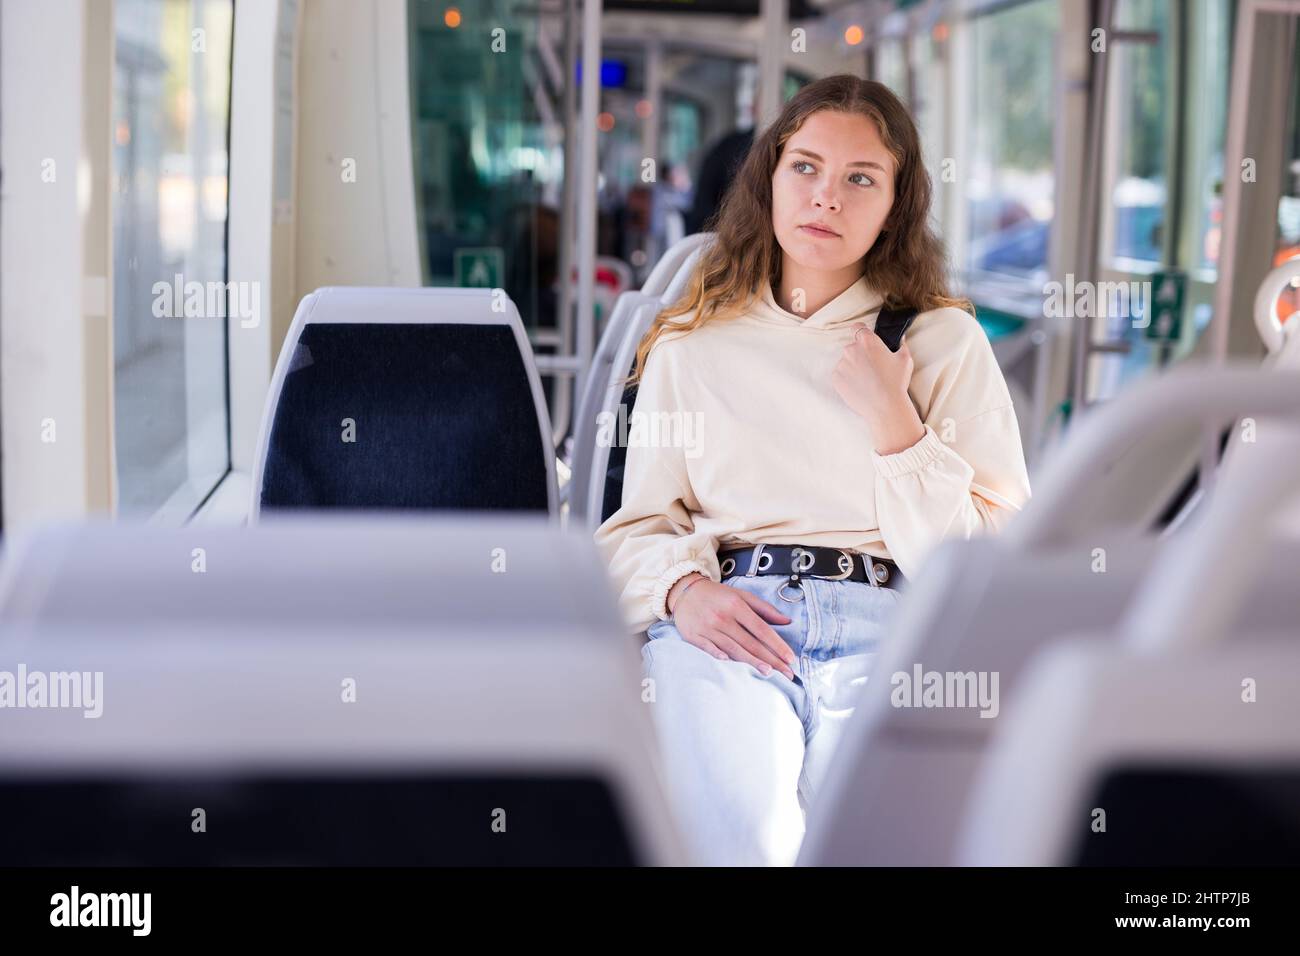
pixel 744 754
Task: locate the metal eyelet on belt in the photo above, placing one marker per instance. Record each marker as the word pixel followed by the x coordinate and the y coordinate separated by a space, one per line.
pixel 799 563
pixel 792 582
pixel 764 561
pixel 728 565
pixel 879 572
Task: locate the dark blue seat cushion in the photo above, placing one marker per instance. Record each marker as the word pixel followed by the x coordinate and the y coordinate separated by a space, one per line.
pixel 1179 815
pixel 402 818
pixel 444 419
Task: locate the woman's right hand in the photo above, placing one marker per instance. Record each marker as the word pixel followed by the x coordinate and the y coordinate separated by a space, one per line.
pixel 730 623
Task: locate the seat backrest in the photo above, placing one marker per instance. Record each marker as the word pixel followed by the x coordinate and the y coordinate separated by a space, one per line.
pixel 334 689
pixel 1282 341
pixel 291 566
pixel 405 398
pixel 619 401
pixel 607 459
pixel 1178 730
pixel 598 467
pixel 986 606
pixel 586 424
pixel 897 791
pixel 671 263
pixel 1116 758
pixel 894 795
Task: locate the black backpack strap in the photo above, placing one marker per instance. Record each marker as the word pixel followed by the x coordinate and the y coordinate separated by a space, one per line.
pixel 892 324
pixel 613 494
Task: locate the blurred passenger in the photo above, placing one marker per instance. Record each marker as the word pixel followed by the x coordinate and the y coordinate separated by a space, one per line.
pixel 717 171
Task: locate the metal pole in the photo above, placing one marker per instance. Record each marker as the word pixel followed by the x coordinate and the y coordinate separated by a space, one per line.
pixel 564 315
pixel 588 179
pixel 654 58
pixel 1090 220
pixel 771 63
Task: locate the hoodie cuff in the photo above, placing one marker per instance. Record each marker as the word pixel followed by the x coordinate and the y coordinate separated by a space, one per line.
pixel 659 598
pixel 929 448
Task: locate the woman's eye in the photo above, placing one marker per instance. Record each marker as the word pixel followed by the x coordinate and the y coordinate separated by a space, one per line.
pixel 801 162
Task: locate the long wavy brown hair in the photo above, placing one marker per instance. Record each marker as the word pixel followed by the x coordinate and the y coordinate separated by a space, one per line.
pixel 906 264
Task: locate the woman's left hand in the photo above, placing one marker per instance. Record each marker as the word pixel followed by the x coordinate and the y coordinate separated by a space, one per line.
pixel 873 382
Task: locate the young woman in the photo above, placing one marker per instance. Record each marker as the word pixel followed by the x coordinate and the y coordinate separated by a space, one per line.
pixel 811 469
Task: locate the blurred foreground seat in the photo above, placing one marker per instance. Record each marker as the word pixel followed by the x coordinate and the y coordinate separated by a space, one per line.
pixel 982 608
pixel 1174 739
pixel 326 689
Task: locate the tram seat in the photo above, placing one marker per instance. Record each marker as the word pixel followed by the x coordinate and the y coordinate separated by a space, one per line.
pixel 405 398
pixel 903 774
pixel 597 485
pixel 669 276
pixel 1282 353
pixel 1162 751
pixel 1170 740
pixel 291 567
pixel 630 312
pixel 336 688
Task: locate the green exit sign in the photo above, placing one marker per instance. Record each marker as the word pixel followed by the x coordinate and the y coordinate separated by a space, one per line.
pixel 479 267
pixel 1165 309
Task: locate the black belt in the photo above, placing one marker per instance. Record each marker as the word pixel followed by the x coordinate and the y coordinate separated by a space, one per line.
pixel 796 561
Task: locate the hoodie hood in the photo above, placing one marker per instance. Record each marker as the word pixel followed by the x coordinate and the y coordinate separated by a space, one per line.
pixel 858 303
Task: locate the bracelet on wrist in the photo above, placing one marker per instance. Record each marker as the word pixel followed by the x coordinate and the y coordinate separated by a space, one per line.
pixel 692 584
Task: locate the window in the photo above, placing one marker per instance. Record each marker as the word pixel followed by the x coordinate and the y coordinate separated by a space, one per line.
pixel 1166 109
pixel 891 66
pixel 1009 171
pixel 1140 121
pixel 1206 112
pixel 171 102
pixel 489 162
pixel 927 92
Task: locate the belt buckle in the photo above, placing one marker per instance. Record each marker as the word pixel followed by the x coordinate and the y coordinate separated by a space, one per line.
pixel 846 567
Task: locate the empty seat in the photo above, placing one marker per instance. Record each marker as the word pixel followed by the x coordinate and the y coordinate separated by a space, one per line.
pixel 597 483
pixel 334 689
pixel 1161 752
pixel 399 569
pixel 1173 739
pixel 896 791
pixel 672 266
pixel 629 316
pixel 405 398
pixel 1282 345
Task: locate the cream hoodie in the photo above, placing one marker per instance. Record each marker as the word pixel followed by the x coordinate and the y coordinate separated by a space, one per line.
pixel 738 437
